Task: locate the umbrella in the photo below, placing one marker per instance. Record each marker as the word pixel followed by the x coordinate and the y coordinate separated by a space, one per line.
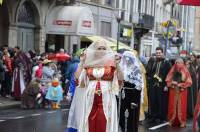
pixel 59 57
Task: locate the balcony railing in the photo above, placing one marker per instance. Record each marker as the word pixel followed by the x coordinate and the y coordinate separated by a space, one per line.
pixel 165 2
pixel 143 20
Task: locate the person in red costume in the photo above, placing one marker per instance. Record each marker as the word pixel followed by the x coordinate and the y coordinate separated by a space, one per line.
pixel 94 107
pixel 178 80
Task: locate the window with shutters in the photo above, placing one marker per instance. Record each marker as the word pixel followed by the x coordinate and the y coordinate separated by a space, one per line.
pixel 105 29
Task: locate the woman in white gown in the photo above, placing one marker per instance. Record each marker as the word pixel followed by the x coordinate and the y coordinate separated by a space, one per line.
pixel 94 107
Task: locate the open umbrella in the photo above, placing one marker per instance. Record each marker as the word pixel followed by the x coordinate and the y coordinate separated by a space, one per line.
pixel 61 57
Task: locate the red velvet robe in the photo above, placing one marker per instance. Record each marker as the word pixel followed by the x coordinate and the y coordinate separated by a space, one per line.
pixel 177 107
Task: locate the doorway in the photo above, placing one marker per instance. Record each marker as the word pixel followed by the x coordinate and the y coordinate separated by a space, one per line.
pixel 4 24
pixel 26 38
pixel 28 20
pixel 54 43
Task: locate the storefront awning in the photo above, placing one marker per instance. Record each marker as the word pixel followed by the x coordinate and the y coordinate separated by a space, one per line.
pixel 189 2
pixel 70 20
pixel 110 41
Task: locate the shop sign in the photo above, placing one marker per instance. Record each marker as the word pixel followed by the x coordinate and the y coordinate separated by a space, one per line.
pixel 87 24
pixel 62 22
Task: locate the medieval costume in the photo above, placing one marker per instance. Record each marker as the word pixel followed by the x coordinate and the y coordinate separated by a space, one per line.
pixel 70 73
pixel 196 119
pixel 157 70
pixel 29 95
pixel 192 91
pixel 21 74
pixel 130 96
pixel 178 80
pixel 144 104
pixel 94 107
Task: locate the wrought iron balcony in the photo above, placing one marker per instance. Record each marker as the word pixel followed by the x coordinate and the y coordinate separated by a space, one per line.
pixel 165 2
pixel 143 20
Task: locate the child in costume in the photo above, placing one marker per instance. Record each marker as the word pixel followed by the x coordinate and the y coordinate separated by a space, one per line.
pixel 55 94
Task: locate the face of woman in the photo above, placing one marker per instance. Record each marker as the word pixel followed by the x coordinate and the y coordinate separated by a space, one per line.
pixel 101 48
pixel 179 66
pixel 100 51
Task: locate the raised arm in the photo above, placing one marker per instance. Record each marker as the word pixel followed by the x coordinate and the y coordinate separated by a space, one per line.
pixel 120 74
pixel 80 66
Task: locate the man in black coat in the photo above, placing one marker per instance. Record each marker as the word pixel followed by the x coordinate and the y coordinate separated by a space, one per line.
pixel 157 70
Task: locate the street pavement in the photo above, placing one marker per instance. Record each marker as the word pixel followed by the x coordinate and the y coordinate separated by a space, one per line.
pixel 47 120
pixel 7 103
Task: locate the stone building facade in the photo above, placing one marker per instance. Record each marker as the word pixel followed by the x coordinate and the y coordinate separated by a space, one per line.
pixel 23 22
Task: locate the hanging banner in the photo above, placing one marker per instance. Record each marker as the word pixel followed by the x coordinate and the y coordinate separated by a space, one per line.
pixel 189 2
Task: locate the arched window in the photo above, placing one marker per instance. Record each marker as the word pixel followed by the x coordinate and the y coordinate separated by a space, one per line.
pixel 25 14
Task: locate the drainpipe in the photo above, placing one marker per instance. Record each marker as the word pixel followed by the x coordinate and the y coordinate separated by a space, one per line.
pixel 186 26
pixel 182 22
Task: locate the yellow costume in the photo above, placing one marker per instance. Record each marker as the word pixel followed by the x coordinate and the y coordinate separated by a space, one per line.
pixel 144 104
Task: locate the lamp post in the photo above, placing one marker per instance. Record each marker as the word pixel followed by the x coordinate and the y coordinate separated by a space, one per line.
pixel 117 14
pixel 118 31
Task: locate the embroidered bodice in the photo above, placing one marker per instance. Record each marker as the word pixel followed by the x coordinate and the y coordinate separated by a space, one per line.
pixel 104 73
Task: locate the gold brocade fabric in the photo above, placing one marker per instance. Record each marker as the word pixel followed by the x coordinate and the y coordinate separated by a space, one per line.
pixel 144 105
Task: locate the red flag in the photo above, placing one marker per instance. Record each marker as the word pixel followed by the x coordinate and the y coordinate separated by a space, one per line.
pixel 189 2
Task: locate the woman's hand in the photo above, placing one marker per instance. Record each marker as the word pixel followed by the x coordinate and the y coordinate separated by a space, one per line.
pixel 174 83
pixel 80 65
pixel 117 59
pixel 179 85
pixel 82 58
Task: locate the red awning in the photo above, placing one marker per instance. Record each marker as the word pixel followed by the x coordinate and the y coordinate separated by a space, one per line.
pixel 189 2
